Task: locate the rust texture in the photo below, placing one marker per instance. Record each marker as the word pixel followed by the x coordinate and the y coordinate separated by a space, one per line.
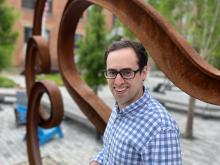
pixel 170 51
pixel 37 60
pixel 34 118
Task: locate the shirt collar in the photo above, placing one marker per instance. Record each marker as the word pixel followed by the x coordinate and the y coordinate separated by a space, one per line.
pixel 135 105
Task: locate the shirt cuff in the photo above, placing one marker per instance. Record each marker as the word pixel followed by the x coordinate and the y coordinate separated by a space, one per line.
pixel 98 157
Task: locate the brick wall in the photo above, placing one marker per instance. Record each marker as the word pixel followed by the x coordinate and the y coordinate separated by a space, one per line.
pixel 52 24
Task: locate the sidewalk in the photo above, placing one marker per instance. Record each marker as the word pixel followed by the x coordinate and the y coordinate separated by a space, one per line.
pixel 77 147
pixel 79 143
pixel 173 99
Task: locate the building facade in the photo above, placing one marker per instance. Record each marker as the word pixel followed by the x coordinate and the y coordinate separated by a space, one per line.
pixel 24 26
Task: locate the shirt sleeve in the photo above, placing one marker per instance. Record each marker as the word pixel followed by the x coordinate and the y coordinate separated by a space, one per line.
pixel 99 157
pixel 163 149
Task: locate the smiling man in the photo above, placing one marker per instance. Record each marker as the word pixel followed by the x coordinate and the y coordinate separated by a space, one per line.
pixel 140 131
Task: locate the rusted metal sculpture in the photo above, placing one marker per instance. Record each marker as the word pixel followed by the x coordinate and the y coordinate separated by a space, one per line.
pixel 34 118
pixel 175 57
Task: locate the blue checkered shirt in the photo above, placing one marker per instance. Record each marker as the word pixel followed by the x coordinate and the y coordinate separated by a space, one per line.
pixel 142 133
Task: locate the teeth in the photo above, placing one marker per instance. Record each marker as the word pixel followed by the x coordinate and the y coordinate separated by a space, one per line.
pixel 120 89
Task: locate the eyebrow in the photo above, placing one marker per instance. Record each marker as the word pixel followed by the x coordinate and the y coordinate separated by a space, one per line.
pixel 119 69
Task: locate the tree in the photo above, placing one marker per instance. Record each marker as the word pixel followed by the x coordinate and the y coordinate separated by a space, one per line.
pixel 8 36
pixel 120 31
pixel 198 21
pixel 125 31
pixel 91 49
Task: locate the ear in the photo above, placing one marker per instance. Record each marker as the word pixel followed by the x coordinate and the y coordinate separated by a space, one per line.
pixel 145 72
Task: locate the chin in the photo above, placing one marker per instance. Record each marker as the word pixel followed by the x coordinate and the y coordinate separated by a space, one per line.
pixel 122 102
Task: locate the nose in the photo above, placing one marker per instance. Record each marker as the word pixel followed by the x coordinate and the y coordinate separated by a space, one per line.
pixel 118 79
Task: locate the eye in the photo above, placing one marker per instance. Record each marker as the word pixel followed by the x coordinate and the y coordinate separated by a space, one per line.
pixel 126 72
pixel 111 72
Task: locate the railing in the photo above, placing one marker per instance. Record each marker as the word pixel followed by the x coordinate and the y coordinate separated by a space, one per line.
pixel 174 56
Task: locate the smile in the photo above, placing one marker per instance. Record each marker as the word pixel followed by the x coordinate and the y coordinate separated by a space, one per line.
pixel 120 90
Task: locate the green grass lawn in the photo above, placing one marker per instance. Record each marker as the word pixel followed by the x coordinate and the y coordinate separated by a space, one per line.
pixel 7 83
pixel 54 77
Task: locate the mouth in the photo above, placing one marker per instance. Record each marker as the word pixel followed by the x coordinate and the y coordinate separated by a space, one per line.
pixel 120 90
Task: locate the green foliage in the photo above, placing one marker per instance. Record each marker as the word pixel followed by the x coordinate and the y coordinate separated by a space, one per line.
pixel 8 37
pixel 198 21
pixel 90 55
pixel 54 77
pixel 6 83
pixel 125 33
pixel 165 7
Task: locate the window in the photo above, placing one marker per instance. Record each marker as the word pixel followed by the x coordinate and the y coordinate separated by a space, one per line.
pixel 46 35
pixel 29 4
pixel 114 20
pixel 49 6
pixel 76 39
pixel 89 11
pixel 27 33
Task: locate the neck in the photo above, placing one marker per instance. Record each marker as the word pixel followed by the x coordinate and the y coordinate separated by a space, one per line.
pixel 138 96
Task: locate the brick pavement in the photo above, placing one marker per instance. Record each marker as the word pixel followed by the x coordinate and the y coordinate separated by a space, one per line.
pixel 205 148
pixel 77 147
pixel 79 143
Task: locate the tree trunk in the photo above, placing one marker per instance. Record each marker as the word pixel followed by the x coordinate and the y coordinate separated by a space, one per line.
pixel 188 134
pixel 189 124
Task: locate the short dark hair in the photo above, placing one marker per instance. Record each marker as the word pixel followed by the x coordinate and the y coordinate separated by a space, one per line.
pixel 138 48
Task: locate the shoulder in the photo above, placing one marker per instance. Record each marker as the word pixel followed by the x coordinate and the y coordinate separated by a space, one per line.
pixel 157 118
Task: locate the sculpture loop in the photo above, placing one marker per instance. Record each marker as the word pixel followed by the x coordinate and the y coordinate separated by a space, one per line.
pixel 37 56
pixel 91 105
pixel 170 51
pixel 34 119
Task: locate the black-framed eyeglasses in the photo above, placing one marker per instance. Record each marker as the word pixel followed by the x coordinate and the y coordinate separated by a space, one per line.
pixel 126 73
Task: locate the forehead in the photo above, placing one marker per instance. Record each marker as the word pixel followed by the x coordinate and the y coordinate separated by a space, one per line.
pixel 122 58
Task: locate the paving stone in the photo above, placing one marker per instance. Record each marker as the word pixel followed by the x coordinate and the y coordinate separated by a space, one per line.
pixel 79 143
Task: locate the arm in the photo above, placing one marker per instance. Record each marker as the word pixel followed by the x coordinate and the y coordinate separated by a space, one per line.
pixel 94 163
pixel 98 159
pixel 163 149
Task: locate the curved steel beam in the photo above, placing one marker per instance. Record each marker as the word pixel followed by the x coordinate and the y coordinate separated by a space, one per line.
pixel 180 62
pixel 93 107
pixel 88 107
pixel 37 55
pixel 38 15
pixel 34 118
pixel 175 57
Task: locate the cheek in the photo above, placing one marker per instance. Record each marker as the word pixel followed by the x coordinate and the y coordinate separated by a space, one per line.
pixel 137 84
pixel 110 82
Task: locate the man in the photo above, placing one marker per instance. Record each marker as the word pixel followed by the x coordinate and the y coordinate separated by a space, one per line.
pixel 140 130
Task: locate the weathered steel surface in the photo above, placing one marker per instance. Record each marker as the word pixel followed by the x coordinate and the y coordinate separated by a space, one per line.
pixel 38 15
pixel 37 59
pixel 175 57
pixel 93 107
pixel 34 118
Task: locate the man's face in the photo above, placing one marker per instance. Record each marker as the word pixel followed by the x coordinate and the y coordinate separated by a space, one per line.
pixel 125 91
